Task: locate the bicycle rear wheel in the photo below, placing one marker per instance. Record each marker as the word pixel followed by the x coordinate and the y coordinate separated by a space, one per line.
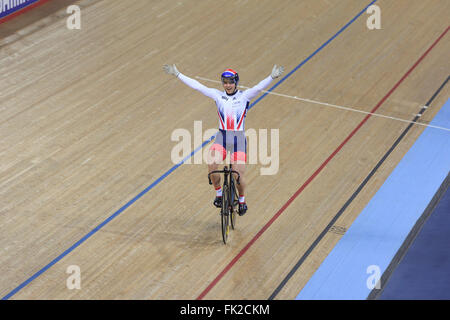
pixel 225 216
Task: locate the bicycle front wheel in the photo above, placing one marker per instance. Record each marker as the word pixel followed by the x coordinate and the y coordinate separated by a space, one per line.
pixel 233 202
pixel 225 214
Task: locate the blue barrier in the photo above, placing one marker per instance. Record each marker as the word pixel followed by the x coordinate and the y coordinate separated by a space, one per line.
pixel 8 7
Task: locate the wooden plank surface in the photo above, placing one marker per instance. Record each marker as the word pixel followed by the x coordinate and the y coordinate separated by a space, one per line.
pixel 86 118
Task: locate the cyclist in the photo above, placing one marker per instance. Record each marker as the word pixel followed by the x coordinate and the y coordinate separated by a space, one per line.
pixel 232 106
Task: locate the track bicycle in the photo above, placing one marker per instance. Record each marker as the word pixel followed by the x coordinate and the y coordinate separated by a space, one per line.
pixel 229 200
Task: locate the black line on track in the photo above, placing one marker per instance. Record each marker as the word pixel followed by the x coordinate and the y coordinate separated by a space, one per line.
pixel 353 196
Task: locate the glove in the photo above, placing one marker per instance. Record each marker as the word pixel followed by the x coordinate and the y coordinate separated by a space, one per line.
pixel 171 69
pixel 277 71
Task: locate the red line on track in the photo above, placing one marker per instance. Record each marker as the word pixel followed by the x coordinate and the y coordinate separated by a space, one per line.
pixel 23 10
pixel 311 178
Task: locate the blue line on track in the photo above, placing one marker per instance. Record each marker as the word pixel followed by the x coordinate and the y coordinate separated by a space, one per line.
pixel 312 54
pixel 156 182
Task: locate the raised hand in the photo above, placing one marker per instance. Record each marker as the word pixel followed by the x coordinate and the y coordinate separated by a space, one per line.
pixel 277 71
pixel 171 69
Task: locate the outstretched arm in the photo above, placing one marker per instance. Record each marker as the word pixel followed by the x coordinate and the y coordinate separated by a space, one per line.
pixel 194 84
pixel 253 92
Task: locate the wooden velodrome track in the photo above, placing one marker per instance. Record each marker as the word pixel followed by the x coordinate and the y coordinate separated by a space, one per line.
pixel 86 118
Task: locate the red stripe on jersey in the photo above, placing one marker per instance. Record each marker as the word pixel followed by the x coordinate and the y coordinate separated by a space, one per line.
pixel 230 122
pixel 240 122
pixel 221 121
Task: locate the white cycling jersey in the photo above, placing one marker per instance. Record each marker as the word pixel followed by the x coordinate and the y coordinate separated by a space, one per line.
pixel 231 109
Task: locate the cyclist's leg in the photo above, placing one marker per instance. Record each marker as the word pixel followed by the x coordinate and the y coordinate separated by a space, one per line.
pixel 238 161
pixel 239 158
pixel 216 156
pixel 239 166
pixel 217 153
